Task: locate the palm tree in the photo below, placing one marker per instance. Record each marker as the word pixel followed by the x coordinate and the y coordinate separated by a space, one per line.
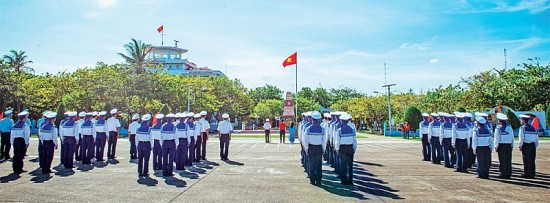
pixel 17 61
pixel 137 51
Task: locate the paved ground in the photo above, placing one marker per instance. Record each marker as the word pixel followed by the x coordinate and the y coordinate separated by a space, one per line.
pixel 386 170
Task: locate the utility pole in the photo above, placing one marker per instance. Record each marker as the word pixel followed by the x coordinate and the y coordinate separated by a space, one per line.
pixel 505 59
pixel 389 103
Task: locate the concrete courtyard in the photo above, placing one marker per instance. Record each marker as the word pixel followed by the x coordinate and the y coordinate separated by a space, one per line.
pixel 386 170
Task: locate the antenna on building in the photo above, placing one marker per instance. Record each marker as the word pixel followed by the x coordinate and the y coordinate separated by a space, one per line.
pixel 505 59
pixel 176 42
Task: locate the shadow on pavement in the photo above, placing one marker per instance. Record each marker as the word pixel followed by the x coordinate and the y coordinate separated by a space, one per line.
pixel 196 170
pixel 364 183
pixel 541 180
pixel 62 171
pixel 84 167
pixel 235 163
pixel 100 164
pixel 39 177
pixel 211 163
pixel 189 175
pixel 34 160
pixel 10 177
pixel 146 180
pixel 113 161
pixel 170 180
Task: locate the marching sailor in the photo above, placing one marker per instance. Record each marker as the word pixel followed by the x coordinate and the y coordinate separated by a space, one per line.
pixel 132 128
pixel 69 133
pixel 345 142
pixel 461 142
pixel 169 141
pixel 434 132
pixel 528 143
pixel 184 140
pixel 224 133
pixel 483 145
pixel 157 147
pixel 198 129
pixel 314 144
pixel 143 142
pixel 113 125
pixel 20 139
pixel 204 134
pixel 48 137
pixel 424 129
pixel 504 143
pixel 191 133
pixel 78 149
pixel 445 141
pixel 89 135
pixel 100 127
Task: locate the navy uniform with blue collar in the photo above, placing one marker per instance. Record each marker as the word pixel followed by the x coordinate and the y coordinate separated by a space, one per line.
pixel 424 129
pixel 345 142
pixel 303 143
pixel 192 133
pixel 169 141
pixel 504 143
pixel 132 128
pixel 315 143
pixel 79 149
pixel 483 145
pixel 38 126
pixel 144 140
pixel 461 143
pixel 446 141
pixel 69 134
pixel 157 145
pixel 336 126
pixel 184 140
pixel 48 138
pixel 20 139
pixel 434 132
pixel 65 119
pixel 89 136
pixel 100 127
pixel 470 158
pixel 528 143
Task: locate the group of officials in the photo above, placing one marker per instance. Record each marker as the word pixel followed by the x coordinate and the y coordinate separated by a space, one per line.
pixel 332 138
pixel 458 141
pixel 179 138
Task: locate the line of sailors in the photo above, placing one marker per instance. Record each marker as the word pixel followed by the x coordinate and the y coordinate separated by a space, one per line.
pixel 458 141
pixel 333 138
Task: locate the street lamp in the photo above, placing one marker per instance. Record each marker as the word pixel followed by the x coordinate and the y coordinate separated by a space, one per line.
pixel 389 104
pixel 189 94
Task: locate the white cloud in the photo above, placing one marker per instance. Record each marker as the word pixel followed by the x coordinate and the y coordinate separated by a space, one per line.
pixel 532 6
pixel 417 46
pixel 106 3
pixel 434 61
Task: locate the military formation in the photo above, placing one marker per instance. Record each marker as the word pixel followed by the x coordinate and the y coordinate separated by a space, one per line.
pixel 459 141
pixel 174 139
pixel 332 138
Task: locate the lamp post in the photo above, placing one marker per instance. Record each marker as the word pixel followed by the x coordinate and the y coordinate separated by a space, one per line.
pixel 389 104
pixel 189 95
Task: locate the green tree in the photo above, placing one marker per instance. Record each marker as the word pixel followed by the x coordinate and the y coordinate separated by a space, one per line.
pixel 269 108
pixel 461 109
pixel 136 55
pixel 413 116
pixel 548 116
pixel 17 62
pixel 60 112
pixel 264 93
pixel 165 109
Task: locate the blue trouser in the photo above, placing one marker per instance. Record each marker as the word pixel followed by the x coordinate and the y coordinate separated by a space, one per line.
pixel 19 150
pixel 144 153
pixel 448 152
pixel 224 146
pixel 133 149
pixel 483 154
pixel 529 154
pixel 181 154
pixel 40 159
pixel 336 162
pixel 346 168
pixel 470 157
pixel 5 145
pixel 505 159
pixel 315 159
pixel 303 159
pixel 426 151
pixel 69 146
pixel 87 147
pixel 111 147
pixel 198 149
pixel 100 145
pixel 191 157
pixel 203 150
pixel 329 153
pixel 168 155
pixel 157 155
pixel 436 150
pixel 461 149
pixel 46 156
pixel 78 149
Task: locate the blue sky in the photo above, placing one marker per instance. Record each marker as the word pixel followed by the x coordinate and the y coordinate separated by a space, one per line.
pixel 339 43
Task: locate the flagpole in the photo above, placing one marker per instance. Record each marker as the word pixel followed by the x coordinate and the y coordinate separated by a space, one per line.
pixel 296 103
pixel 162 37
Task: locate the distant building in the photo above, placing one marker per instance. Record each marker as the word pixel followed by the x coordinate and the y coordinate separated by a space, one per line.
pixel 169 58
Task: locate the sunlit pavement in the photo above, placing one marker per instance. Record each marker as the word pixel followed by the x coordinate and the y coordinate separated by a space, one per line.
pixel 386 169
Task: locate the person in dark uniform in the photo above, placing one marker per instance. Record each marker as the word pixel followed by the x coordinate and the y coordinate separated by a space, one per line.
pixel 528 143
pixel 346 145
pixel 144 140
pixel 169 141
pixel 193 135
pixel 157 147
pixel 69 133
pixel 78 150
pixel 132 128
pixel 100 127
pixel 20 139
pixel 461 142
pixel 48 137
pixel 483 145
pixel 434 132
pixel 224 133
pixel 89 136
pixel 315 144
pixel 424 129
pixel 504 143
pixel 184 140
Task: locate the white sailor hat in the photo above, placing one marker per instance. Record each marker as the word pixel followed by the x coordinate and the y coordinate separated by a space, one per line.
pixel 425 115
pixel 170 115
pixel 450 115
pixel 267 119
pixel 501 116
pixel 225 116
pixel 22 114
pixel 114 111
pixel 71 114
pixel 51 115
pixel 442 114
pixel 159 116
pixel 481 119
pixel 481 114
pixel 467 115
pixel 135 117
pixel 177 115
pixel 102 113
pixel 89 114
pixel 434 114
pixel 82 114
pixel 190 114
pixel 345 117
pixel 66 113
pixel 197 116
pixel 8 112
pixel 456 113
pixel 203 113
pixel 326 115
pixel 45 113
pixel 316 115
pixel 524 116
pixel 94 113
pixel 460 115
pixel 146 117
pixel 333 113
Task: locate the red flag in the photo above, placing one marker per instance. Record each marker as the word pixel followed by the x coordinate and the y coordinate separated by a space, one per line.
pixel 160 29
pixel 1 115
pixel 291 60
pixel 535 123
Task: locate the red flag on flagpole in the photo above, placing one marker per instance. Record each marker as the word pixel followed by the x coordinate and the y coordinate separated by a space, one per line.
pixel 160 28
pixel 291 60
pixel 535 123
pixel 1 115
